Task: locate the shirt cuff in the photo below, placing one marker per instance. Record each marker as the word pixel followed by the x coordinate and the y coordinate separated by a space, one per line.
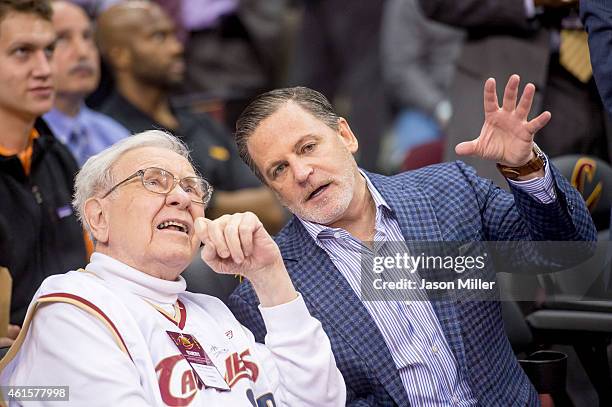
pixel 287 317
pixel 542 189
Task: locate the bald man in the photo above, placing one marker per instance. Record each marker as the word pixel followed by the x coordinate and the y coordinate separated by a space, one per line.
pixel 138 41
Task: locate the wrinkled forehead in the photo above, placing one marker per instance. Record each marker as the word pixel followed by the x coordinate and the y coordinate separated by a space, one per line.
pixel 282 132
pixel 144 157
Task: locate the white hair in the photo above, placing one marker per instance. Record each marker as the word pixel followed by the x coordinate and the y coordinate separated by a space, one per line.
pixel 96 175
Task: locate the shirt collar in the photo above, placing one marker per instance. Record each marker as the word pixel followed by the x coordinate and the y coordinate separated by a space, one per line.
pixel 317 230
pixel 62 125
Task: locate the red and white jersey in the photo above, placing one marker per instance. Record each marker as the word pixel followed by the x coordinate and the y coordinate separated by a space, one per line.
pixel 103 333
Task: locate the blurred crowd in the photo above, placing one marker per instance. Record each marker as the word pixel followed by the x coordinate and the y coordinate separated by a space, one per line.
pixel 407 74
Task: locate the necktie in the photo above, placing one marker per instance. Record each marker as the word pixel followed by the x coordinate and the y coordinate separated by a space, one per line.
pixel 574 54
pixel 78 143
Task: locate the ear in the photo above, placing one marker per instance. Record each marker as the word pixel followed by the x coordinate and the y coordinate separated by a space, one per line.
pixel 96 218
pixel 120 57
pixel 348 138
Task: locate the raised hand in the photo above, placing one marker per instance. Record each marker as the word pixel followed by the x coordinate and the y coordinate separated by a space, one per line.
pixel 239 244
pixel 507 134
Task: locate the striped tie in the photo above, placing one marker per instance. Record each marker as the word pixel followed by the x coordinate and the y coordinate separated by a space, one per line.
pixel 78 143
pixel 574 54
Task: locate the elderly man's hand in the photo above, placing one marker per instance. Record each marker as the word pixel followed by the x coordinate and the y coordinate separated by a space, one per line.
pixel 507 135
pixel 239 244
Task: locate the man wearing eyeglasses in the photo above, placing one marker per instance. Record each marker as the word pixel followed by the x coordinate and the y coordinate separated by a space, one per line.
pixel 124 332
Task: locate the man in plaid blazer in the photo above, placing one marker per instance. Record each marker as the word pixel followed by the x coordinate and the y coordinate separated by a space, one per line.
pixel 294 142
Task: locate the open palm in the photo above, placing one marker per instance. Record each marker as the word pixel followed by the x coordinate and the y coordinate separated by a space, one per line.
pixel 507 134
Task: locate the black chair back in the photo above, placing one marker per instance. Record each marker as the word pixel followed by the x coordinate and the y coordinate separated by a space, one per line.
pixel 592 177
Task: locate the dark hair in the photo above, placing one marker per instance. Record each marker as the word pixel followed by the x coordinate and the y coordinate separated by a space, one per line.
pixel 41 8
pixel 266 104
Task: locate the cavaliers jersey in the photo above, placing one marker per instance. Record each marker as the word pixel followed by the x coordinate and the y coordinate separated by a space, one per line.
pixel 112 318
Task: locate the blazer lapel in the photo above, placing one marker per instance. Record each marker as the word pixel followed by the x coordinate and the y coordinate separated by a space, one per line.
pixel 417 221
pixel 338 307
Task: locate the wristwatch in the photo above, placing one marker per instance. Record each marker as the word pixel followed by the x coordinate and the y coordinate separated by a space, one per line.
pixel 535 164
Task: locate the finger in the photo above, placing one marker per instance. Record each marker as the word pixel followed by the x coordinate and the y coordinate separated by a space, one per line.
pixel 13 331
pixel 490 97
pixel 201 229
pixel 209 255
pixel 217 236
pixel 510 93
pixel 5 342
pixel 524 105
pixel 466 148
pixel 248 228
pixel 209 251
pixel 232 238
pixel 539 122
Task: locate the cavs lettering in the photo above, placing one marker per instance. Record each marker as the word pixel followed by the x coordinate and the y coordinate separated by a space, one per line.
pixel 178 384
pixel 583 175
pixel 240 367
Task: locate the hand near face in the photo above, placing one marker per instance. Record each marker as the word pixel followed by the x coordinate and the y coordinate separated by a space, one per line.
pixel 507 134
pixel 239 244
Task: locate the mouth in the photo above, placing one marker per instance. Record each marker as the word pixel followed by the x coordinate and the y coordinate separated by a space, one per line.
pixel 42 90
pixel 175 225
pixel 317 192
pixel 82 71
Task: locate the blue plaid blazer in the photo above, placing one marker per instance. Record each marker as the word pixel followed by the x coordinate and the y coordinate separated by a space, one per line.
pixel 445 202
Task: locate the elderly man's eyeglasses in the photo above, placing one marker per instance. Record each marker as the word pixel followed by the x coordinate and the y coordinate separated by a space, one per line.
pixel 162 182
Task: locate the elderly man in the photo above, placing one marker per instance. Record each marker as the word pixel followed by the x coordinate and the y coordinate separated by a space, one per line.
pixel 76 65
pixel 123 332
pixel 138 41
pixel 404 352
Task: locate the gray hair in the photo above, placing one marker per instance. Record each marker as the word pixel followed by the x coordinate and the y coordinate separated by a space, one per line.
pixel 96 175
pixel 266 104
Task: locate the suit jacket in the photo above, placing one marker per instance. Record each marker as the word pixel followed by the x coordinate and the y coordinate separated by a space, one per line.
pixel 445 202
pixel 597 18
pixel 336 52
pixel 417 73
pixel 476 13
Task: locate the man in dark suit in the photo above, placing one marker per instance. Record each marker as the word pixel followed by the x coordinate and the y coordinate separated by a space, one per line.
pixel 404 352
pixel 597 17
pixel 490 13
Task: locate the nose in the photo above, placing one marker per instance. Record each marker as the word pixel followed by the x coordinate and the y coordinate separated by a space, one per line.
pixel 42 67
pixel 301 170
pixel 178 197
pixel 175 45
pixel 82 47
